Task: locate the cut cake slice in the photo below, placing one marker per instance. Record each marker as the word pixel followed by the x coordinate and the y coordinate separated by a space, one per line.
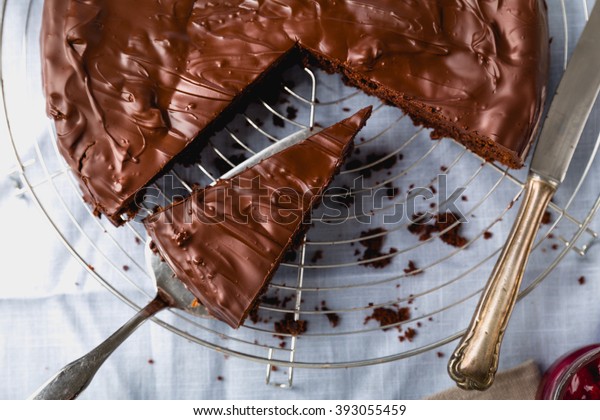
pixel 225 242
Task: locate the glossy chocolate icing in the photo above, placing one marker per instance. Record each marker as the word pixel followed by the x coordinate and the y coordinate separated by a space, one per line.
pixel 131 83
pixel 225 242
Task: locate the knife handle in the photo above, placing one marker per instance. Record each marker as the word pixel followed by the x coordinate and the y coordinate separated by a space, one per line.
pixel 474 363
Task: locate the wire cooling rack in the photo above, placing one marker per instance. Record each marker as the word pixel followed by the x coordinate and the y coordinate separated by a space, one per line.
pixel 330 280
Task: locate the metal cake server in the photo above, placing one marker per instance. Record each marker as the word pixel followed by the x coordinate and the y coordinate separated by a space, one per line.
pixel 74 378
pixel 474 363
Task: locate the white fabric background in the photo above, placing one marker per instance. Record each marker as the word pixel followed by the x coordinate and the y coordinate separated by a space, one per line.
pixel 52 312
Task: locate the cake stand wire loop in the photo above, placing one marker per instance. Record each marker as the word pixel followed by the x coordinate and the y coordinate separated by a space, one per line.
pixel 326 263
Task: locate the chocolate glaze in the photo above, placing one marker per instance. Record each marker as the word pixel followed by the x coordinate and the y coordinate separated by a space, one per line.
pixel 130 84
pixel 225 242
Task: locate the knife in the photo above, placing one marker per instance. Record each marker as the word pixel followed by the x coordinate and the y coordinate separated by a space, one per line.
pixel 474 363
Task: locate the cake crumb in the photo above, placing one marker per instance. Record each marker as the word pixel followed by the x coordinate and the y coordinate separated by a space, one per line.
pixel 390 191
pixel 546 218
pixel 389 316
pixel 410 334
pixel 334 318
pixel 278 121
pixel 374 243
pixel 318 255
pixel 452 236
pixel 448 223
pixel 288 325
pixel 412 269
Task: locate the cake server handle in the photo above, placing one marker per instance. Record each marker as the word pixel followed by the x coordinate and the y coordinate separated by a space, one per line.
pixel 474 363
pixel 75 377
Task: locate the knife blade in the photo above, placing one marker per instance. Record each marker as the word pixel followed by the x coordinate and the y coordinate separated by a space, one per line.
pixel 474 363
pixel 571 107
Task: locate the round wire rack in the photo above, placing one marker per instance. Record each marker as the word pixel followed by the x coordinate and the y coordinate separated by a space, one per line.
pixel 361 253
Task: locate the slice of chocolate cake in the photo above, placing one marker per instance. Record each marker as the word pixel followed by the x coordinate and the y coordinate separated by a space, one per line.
pixel 130 84
pixel 225 242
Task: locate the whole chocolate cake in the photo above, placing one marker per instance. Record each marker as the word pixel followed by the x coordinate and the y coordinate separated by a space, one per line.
pixel 225 242
pixel 130 84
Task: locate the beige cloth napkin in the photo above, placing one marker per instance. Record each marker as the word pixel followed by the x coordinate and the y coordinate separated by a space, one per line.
pixel 519 383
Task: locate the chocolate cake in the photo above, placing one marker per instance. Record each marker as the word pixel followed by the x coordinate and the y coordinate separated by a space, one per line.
pixel 131 84
pixel 225 242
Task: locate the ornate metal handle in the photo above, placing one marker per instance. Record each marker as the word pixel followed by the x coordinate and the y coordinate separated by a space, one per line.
pixel 474 363
pixel 75 377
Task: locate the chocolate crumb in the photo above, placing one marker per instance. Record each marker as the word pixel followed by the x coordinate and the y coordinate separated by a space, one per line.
pixel 410 334
pixel 334 319
pixel 253 315
pixel 290 255
pixel 464 198
pixel 374 238
pixel 150 361
pixel 219 378
pixel 291 113
pixel 278 121
pixel 440 354
pixel 374 246
pixel 487 234
pixel 137 240
pixel 452 236
pixel 318 255
pixel 441 222
pixel 125 268
pixel 389 316
pixel 391 191
pixel 546 218
pixel 346 109
pixel 554 247
pixel 412 269
pixel 288 325
pixel 581 280
pixel 371 254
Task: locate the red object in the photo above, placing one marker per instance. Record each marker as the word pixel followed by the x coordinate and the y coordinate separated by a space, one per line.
pixel 575 376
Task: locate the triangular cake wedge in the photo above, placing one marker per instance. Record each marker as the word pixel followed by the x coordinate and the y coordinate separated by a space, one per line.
pixel 131 84
pixel 225 242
